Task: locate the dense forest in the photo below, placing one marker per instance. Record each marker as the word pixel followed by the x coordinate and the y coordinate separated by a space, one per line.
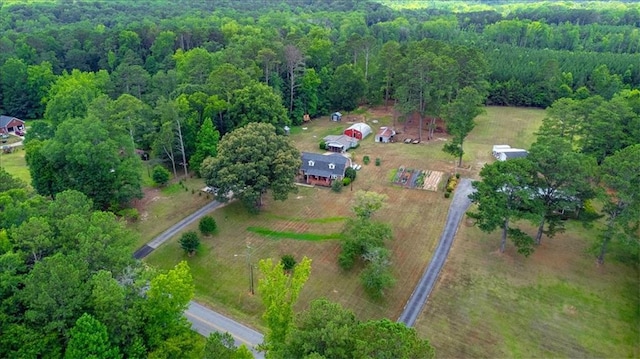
pixel 172 77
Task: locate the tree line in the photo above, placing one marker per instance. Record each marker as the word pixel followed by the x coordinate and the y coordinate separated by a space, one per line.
pixel 283 44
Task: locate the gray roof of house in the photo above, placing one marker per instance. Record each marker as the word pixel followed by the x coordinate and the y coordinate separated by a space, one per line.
pixel 321 164
pixel 4 120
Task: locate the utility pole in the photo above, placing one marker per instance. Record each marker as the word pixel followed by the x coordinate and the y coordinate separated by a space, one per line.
pixel 250 265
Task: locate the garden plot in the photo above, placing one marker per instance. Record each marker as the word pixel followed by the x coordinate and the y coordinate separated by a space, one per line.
pixel 421 179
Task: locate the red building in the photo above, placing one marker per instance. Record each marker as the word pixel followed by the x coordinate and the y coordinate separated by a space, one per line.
pixel 358 130
pixel 10 124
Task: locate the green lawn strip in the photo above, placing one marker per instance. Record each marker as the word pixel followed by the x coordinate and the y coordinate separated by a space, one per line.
pixel 314 237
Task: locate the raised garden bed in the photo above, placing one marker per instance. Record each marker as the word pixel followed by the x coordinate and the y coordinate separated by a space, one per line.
pixel 420 179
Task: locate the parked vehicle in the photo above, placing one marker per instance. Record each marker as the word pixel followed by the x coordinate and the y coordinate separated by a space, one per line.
pixel 19 133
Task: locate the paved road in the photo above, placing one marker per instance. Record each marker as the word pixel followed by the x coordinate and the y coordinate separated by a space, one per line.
pixel 204 321
pixel 420 294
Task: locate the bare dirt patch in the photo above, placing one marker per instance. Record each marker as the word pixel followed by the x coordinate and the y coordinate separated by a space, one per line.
pixel 150 195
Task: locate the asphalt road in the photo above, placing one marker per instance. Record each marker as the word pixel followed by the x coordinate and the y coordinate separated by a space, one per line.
pixel 205 321
pixel 418 299
pixel 166 235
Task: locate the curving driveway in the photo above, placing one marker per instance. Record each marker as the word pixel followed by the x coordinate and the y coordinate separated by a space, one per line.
pixel 420 294
pixel 205 320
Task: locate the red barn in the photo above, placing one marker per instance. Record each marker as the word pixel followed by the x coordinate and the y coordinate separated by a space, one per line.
pixel 358 130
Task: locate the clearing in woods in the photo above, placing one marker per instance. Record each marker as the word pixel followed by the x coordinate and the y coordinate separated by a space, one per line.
pixel 221 267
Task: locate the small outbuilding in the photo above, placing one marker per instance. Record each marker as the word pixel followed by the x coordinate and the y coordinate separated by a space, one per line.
pixel 336 116
pixel 358 130
pixel 10 124
pixel 384 135
pixel 339 143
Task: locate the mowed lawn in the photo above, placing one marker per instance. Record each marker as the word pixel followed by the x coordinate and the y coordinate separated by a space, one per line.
pixel 221 268
pixel 15 164
pixel 556 303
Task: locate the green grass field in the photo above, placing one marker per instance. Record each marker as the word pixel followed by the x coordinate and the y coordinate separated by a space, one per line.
pixel 221 269
pixel 15 164
pixel 556 303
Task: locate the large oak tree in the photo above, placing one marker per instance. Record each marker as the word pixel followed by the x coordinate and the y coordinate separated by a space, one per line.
pixel 251 160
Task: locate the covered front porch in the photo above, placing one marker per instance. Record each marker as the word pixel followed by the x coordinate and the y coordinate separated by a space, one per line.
pixel 317 180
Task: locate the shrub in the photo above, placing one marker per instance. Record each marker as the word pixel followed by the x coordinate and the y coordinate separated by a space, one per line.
pixel 190 242
pixel 350 173
pixel 323 145
pixel 336 186
pixel 288 262
pixel 366 160
pixel 447 194
pixel 160 175
pixel 207 225
pixel 451 184
pixel 457 175
pixel 378 161
pixel 346 181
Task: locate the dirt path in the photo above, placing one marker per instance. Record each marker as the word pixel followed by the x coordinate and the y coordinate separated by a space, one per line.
pixel 420 294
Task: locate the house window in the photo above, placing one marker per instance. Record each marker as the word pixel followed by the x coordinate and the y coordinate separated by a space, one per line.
pixel 332 166
pixel 311 163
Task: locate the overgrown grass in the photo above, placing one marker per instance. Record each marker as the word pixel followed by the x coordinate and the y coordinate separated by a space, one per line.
pixel 314 237
pixel 557 303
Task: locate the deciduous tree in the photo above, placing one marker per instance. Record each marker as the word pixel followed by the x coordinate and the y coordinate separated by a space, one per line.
pixel 279 292
pixel 459 117
pixel 167 299
pixel 562 179
pixel 347 88
pixel 257 103
pixel 88 158
pixel 367 203
pixel 503 195
pixel 621 179
pixel 250 161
